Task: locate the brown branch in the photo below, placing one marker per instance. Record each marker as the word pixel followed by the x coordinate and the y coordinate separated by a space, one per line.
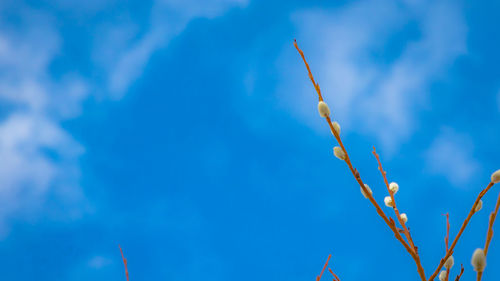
pixel 493 216
pixel 124 262
pixel 355 173
pixel 447 237
pixel 464 225
pixel 324 267
pixel 489 234
pixel 461 272
pixel 415 255
pixel 335 277
pixel 316 86
pixel 446 241
pixel 396 211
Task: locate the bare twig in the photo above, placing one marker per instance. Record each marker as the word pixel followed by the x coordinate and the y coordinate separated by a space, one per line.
pixel 464 225
pixel 124 262
pixel 335 277
pixel 324 267
pixel 461 272
pixel 447 237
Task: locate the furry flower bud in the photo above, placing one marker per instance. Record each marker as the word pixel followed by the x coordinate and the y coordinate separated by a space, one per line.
pixel 336 127
pixel 442 275
pixel 478 260
pixel 479 206
pixel 495 177
pixel 449 262
pixel 339 153
pixel 367 189
pixel 394 187
pixel 323 109
pixel 404 217
pixel 388 201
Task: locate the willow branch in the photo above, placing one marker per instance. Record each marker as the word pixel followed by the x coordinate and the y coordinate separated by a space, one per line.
pixel 415 255
pixel 394 206
pixel 489 234
pixel 464 225
pixel 461 272
pixel 124 262
pixel 335 277
pixel 324 267
pixel 355 173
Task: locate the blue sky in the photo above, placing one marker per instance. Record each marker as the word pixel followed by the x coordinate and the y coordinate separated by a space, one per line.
pixel 187 132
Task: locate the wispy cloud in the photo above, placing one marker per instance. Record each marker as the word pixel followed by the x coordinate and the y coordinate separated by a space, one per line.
pixel 168 19
pixel 39 157
pixel 377 91
pixel 451 156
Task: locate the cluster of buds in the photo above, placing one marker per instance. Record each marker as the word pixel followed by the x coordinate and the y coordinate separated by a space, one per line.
pixel 393 187
pixel 448 265
pixel 324 111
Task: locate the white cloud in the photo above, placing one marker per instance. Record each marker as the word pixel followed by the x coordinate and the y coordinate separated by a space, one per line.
pixel 378 94
pixel 451 156
pixel 169 18
pixel 39 157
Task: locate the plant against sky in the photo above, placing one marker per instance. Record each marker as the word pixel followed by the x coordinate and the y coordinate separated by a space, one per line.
pixel 402 233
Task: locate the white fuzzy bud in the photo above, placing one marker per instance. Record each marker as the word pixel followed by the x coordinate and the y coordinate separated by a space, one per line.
pixel 367 189
pixel 394 187
pixel 479 206
pixel 478 260
pixel 339 153
pixel 323 109
pixel 388 201
pixel 442 275
pixel 336 127
pixel 404 217
pixel 495 177
pixel 449 263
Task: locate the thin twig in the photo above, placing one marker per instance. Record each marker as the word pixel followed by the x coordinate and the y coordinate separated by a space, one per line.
pixel 398 216
pixel 464 225
pixel 324 267
pixel 124 262
pixel 335 277
pixel 493 216
pixel 316 86
pixel 461 272
pixel 489 234
pixel 396 211
pixel 447 237
pixel 389 222
pixel 446 242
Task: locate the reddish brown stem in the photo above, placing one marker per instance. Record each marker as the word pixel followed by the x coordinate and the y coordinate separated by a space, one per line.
pixel 461 272
pixel 316 86
pixel 489 234
pixel 324 267
pixel 447 238
pixel 335 277
pixel 493 216
pixel 124 262
pixel 464 225
pixel 396 211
